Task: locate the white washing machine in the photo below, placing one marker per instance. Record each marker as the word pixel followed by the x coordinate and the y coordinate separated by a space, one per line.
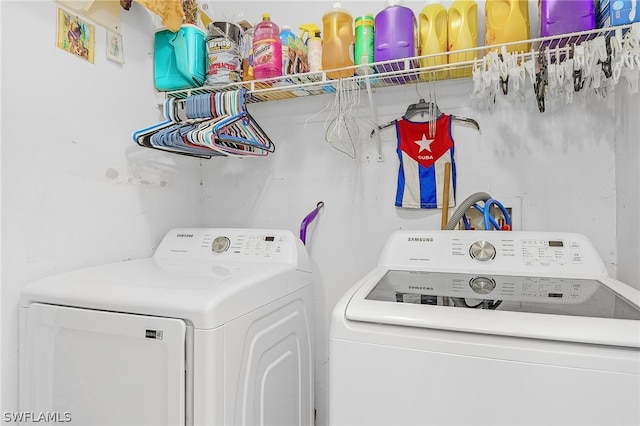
pixel 214 329
pixel 481 327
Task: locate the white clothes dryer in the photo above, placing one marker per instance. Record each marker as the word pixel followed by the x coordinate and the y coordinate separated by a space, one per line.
pixel 215 329
pixel 486 327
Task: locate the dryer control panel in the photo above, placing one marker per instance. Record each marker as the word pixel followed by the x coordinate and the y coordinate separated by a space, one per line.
pixel 230 244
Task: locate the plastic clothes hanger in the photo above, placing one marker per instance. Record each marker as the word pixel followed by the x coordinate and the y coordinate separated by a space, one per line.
pixel 239 132
pixel 424 108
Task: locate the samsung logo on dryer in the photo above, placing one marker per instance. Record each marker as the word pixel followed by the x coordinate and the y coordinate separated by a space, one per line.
pixel 184 235
pixel 420 239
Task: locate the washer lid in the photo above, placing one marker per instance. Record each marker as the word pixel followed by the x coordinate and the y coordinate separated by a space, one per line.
pixel 584 310
pixel 203 287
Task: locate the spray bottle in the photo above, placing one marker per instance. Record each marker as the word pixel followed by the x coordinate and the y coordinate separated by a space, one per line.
pixel 314 45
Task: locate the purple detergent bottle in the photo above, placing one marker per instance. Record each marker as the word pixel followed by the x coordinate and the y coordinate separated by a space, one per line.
pixel 396 36
pixel 566 16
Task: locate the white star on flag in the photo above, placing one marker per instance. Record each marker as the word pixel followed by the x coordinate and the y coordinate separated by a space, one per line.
pixel 425 144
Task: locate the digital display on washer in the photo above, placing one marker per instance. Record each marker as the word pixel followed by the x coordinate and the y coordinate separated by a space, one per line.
pixel 561 296
pixel 556 244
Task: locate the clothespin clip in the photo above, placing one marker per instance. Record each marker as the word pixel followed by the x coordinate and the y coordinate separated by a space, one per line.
pixel 541 80
pixel 606 63
pixel 504 71
pixel 560 70
pixel 516 73
pixel 578 63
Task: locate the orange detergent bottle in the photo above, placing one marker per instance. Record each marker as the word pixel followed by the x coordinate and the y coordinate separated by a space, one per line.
pixel 462 34
pixel 507 21
pixel 433 38
pixel 337 49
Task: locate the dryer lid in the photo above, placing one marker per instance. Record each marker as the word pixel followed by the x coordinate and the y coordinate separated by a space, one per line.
pixel 601 311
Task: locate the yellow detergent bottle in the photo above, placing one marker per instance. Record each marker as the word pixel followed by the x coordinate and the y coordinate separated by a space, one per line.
pixel 462 34
pixel 433 38
pixel 507 21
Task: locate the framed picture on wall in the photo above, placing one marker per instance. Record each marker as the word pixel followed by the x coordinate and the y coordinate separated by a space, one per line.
pixel 76 36
pixel 114 47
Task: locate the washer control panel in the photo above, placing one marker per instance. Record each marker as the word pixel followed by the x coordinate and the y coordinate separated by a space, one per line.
pixel 528 251
pixel 229 244
pixel 513 251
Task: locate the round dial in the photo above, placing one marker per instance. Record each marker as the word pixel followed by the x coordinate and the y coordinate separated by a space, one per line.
pixel 220 244
pixel 482 250
pixel 482 285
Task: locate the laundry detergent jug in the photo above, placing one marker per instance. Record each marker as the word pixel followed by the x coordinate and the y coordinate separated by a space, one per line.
pixel 566 16
pixel 462 34
pixel 337 49
pixel 507 21
pixel 396 36
pixel 432 24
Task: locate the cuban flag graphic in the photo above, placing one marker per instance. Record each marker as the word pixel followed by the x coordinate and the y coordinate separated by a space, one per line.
pixel 422 163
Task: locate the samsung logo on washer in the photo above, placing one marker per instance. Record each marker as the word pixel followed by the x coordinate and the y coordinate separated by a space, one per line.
pixel 184 235
pixel 420 287
pixel 420 239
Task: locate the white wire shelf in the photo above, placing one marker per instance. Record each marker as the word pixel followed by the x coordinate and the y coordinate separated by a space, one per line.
pixel 428 68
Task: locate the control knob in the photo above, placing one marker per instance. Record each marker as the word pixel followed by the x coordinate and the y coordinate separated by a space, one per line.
pixel 482 285
pixel 482 250
pixel 220 244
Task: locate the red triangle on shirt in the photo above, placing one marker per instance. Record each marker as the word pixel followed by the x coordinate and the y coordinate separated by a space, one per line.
pixel 416 143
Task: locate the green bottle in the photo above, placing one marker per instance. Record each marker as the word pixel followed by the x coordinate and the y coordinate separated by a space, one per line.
pixel 363 52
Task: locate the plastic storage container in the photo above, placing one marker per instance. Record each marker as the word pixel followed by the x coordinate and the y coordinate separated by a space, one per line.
pixel 396 35
pixel 363 52
pixel 267 49
pixel 462 33
pixel 285 35
pixel 566 16
pixel 432 24
pixel 507 21
pixel 179 59
pixel 337 49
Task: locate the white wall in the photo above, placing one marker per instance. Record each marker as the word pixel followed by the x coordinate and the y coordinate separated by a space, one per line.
pixel 76 190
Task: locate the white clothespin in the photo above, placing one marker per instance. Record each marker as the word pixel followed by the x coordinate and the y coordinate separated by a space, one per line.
pixel 560 73
pixel 477 78
pixel 596 76
pixel 530 68
pixel 599 48
pixel 579 57
pixel 516 73
pixel 632 79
